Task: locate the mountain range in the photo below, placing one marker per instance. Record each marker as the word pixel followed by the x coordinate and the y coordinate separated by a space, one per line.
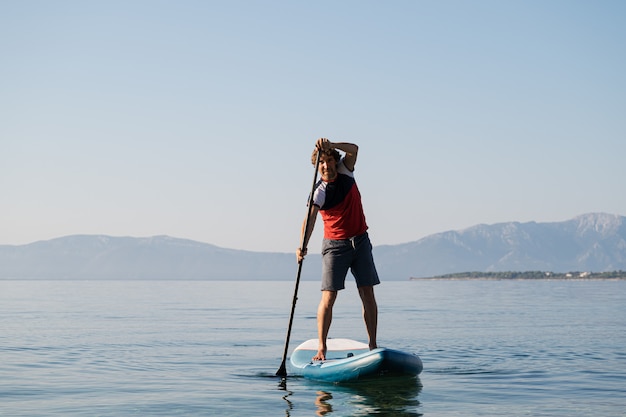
pixel 594 242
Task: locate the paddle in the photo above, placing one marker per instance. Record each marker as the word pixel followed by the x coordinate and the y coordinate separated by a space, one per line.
pixel 282 371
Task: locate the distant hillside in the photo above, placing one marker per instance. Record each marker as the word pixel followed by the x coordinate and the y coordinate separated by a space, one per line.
pixel 159 257
pixel 592 242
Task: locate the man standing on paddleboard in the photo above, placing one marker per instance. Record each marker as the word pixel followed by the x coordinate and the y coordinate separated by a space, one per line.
pixel 346 245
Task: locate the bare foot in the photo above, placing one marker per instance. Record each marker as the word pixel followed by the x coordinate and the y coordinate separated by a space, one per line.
pixel 373 346
pixel 321 355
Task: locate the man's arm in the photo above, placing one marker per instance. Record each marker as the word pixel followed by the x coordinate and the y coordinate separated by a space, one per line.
pixel 350 150
pixel 305 236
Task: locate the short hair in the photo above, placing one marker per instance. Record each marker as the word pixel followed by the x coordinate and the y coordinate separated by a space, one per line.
pixel 331 152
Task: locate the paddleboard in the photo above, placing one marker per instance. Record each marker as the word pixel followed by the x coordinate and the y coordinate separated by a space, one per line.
pixel 350 360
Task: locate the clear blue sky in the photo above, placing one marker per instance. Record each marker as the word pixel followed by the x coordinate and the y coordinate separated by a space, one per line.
pixel 196 119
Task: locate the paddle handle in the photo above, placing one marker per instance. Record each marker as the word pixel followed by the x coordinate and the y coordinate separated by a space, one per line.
pixel 282 370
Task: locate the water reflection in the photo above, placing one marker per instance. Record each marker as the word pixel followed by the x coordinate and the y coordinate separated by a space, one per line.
pixel 397 397
pixel 322 404
pixel 282 385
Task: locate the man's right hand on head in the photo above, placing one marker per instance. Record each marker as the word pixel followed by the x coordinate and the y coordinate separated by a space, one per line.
pixel 324 145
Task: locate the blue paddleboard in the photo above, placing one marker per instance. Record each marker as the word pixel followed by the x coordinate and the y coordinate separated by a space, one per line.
pixel 349 360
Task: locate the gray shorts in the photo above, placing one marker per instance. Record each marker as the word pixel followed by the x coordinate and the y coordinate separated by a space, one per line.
pixel 340 255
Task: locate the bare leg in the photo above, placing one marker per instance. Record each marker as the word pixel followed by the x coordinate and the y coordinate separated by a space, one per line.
pixel 324 318
pixel 370 313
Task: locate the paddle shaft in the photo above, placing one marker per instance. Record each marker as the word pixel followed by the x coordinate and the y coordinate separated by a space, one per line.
pixel 282 371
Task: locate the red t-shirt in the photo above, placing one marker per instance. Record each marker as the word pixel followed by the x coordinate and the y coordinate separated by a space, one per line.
pixel 340 205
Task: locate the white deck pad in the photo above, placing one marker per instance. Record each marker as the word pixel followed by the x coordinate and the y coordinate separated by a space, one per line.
pixel 333 345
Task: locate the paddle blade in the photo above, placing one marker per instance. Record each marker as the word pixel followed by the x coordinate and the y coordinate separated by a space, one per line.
pixel 282 371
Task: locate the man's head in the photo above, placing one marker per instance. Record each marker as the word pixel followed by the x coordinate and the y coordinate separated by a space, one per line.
pixel 331 152
pixel 328 163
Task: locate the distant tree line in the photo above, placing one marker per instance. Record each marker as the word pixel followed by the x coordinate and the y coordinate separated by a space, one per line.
pixel 531 275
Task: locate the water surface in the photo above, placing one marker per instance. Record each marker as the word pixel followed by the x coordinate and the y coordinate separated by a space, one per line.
pixel 111 348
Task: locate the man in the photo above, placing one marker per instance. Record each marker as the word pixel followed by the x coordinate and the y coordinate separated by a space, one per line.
pixel 346 244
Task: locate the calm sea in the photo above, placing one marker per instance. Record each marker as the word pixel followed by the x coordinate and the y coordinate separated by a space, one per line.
pixel 189 348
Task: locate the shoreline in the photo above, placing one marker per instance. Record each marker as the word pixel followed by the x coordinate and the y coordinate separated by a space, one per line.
pixel 513 279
